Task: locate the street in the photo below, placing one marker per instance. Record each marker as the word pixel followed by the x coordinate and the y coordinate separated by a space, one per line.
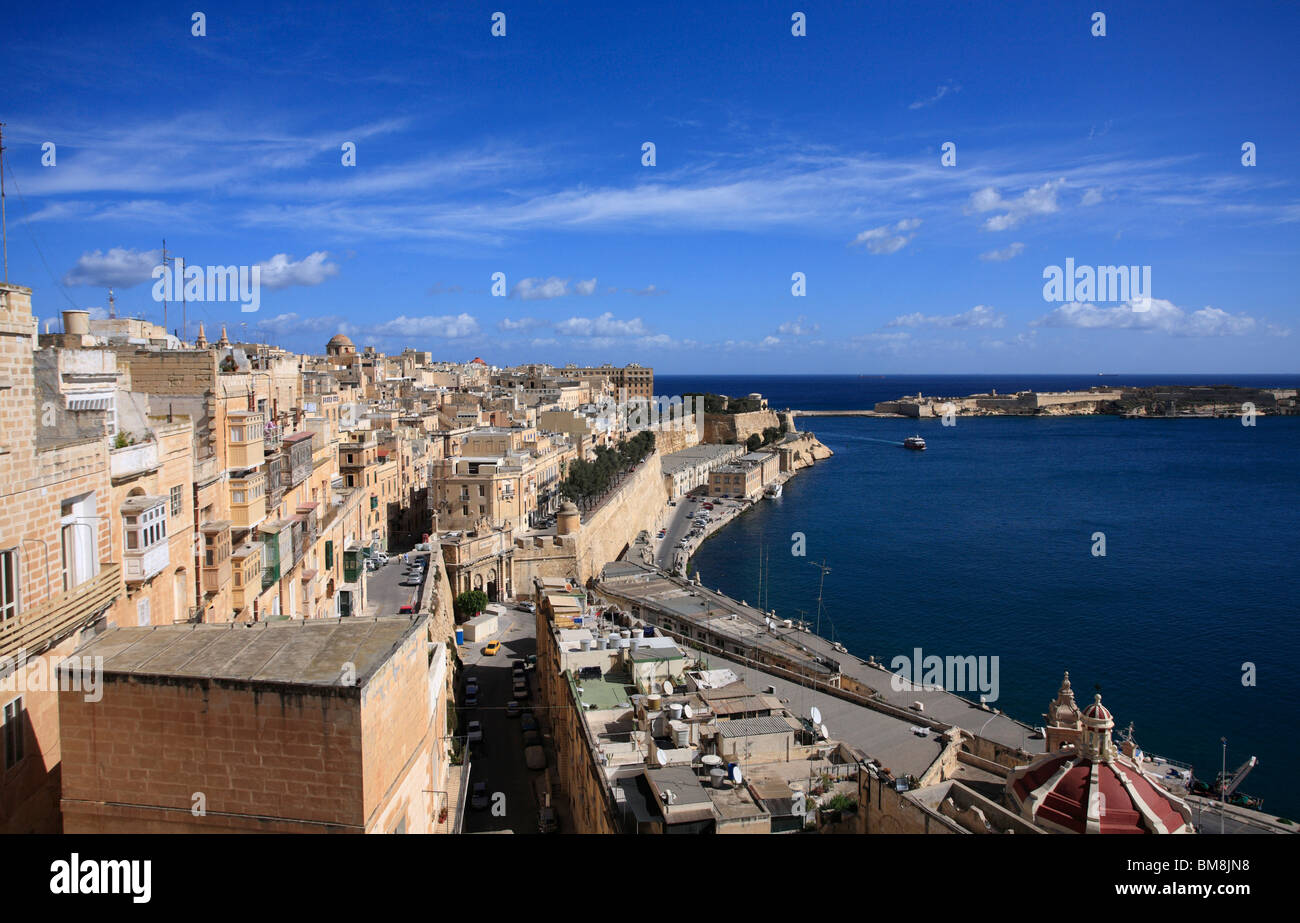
pixel 498 760
pixel 385 593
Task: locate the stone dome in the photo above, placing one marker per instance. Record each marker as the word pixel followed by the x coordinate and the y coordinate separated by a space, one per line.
pixel 339 343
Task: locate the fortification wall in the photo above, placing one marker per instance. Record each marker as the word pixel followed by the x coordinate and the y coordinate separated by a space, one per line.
pixel 737 427
pixel 636 506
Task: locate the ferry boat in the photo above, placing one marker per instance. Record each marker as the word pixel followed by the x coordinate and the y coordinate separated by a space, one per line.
pixel 773 491
pixel 914 442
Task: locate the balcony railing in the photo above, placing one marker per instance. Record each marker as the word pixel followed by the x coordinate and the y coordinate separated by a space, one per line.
pixel 33 630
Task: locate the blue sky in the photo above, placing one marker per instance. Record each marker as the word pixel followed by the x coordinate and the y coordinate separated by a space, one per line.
pixel 775 154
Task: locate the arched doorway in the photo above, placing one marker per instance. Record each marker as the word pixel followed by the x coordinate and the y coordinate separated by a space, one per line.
pixel 492 585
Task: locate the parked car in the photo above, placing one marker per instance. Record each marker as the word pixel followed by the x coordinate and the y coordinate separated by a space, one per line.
pixel 474 733
pixel 547 821
pixel 535 757
pixel 526 720
pixel 471 699
pixel 513 709
pixel 528 607
pixel 531 660
pixel 479 800
pixel 492 648
pixel 521 692
pixel 406 610
pixel 532 739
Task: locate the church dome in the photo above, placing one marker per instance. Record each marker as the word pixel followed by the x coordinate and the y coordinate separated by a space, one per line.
pixel 1093 788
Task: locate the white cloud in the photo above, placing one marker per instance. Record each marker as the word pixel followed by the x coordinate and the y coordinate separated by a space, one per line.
pixel 585 288
pixel 979 316
pixel 606 325
pixel 1091 197
pixel 648 290
pixel 119 267
pixel 282 271
pixel 1006 253
pixel 1155 314
pixel 1040 200
pixel 507 324
pixel 939 94
pixel 447 326
pixel 532 289
pixel 886 238
pixel 798 327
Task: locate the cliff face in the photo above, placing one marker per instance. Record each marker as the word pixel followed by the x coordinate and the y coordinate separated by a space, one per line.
pixel 804 451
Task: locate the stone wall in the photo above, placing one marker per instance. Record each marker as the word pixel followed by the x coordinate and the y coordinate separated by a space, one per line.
pixel 614 526
pixel 737 427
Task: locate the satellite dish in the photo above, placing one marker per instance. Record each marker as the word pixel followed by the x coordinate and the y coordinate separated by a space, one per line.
pixel 688 712
pixel 661 757
pixel 711 759
pixel 668 688
pixel 826 734
pixel 816 714
pixel 735 774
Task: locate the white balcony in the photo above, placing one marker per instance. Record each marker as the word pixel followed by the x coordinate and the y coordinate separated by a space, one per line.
pixel 139 566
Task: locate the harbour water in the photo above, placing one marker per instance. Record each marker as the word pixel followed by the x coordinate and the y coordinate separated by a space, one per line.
pixel 983 545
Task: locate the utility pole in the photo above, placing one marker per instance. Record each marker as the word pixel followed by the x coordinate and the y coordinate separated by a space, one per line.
pixel 4 226
pixel 821 584
pixel 166 280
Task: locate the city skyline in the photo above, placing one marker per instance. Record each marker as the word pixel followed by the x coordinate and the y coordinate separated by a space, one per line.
pixel 775 154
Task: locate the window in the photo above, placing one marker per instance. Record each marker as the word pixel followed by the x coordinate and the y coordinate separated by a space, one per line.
pixel 177 497
pixel 8 584
pixel 15 716
pixel 78 538
pixel 236 434
pixel 142 616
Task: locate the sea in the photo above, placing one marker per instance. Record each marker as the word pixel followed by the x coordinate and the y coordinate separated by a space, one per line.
pixel 986 544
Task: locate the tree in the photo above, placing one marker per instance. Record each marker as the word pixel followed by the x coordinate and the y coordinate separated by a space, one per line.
pixel 753 442
pixel 469 604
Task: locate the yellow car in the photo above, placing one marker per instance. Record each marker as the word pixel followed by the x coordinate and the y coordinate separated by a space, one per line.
pixel 493 647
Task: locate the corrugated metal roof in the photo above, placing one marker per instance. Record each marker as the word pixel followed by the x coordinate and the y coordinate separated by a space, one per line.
pixel 753 727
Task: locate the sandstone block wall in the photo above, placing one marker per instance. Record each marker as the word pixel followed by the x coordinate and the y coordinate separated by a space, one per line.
pixel 737 427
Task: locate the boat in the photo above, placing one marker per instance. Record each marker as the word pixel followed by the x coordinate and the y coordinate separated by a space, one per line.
pixel 773 491
pixel 914 442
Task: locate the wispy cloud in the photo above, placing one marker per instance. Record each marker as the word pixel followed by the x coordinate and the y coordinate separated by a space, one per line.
pixel 939 94
pixel 979 316
pixel 887 238
pixel 1009 252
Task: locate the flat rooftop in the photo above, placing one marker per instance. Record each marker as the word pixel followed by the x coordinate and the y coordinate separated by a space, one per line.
pixel 309 652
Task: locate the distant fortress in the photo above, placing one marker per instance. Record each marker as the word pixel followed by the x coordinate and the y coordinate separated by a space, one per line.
pixel 1161 401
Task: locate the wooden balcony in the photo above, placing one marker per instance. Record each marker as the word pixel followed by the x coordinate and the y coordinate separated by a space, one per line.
pixel 35 629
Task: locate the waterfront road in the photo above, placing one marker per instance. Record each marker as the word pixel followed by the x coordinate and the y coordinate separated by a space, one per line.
pixel 678 521
pixel 498 760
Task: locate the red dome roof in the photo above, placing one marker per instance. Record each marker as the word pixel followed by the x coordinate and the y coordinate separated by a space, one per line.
pixel 1066 792
pixel 1097 711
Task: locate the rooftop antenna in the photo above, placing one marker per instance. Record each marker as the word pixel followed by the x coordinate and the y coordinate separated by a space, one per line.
pixel 4 226
pixel 112 304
